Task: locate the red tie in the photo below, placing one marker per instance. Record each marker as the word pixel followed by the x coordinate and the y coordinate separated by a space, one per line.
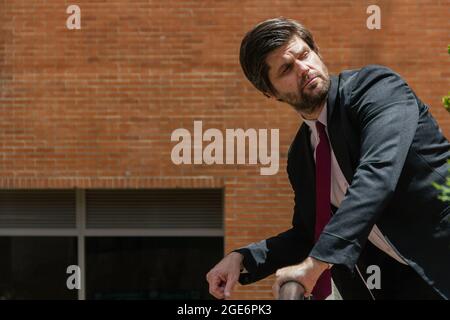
pixel 323 207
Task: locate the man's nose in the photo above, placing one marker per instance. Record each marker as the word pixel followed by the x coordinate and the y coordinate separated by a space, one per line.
pixel 301 68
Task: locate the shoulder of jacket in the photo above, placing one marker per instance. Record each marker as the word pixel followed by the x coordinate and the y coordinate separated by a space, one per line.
pixel 375 70
pixel 295 142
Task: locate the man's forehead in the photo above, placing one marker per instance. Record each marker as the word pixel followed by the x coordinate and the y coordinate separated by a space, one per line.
pixel 295 44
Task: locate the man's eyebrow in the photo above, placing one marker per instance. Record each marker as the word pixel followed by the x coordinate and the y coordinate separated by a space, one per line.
pixel 302 49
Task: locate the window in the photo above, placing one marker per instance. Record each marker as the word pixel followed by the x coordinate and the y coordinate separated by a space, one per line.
pixel 150 267
pixel 35 267
pixel 129 244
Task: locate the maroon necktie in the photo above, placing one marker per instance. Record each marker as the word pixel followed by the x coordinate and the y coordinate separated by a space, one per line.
pixel 323 207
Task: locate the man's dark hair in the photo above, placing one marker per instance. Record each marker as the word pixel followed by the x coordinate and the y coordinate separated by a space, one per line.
pixel 262 40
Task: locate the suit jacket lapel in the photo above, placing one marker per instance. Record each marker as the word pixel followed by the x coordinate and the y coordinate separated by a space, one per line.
pixel 338 130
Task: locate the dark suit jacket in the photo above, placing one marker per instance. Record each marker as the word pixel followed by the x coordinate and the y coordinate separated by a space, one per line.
pixel 390 150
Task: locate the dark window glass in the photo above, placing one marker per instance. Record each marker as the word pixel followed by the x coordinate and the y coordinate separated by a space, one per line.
pixel 35 267
pixel 150 267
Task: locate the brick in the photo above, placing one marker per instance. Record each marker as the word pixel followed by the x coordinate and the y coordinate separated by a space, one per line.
pixel 82 108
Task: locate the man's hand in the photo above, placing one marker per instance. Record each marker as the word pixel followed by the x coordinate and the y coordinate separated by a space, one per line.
pixel 306 273
pixel 223 277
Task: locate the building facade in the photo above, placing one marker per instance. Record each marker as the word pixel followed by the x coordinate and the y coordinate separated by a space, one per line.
pixel 87 175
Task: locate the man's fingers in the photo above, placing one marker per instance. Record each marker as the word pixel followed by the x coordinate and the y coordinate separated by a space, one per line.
pixel 216 287
pixel 224 276
pixel 217 282
pixel 229 285
pixel 276 290
pixel 217 293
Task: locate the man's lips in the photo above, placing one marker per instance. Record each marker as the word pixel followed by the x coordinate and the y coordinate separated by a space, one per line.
pixel 309 81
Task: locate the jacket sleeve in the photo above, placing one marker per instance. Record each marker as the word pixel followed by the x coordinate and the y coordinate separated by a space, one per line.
pixel 387 114
pixel 263 258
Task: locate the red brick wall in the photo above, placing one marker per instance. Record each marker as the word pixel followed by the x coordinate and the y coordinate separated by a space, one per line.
pixel 96 107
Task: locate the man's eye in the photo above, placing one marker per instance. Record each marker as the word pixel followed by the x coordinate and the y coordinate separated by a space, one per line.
pixel 306 54
pixel 287 68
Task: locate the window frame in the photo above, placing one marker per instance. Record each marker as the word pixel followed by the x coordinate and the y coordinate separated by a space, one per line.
pixel 81 232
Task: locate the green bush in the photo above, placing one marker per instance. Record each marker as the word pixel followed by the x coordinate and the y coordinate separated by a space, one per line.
pixel 446 102
pixel 445 189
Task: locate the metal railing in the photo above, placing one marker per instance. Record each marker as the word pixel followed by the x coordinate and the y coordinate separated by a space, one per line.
pixel 291 291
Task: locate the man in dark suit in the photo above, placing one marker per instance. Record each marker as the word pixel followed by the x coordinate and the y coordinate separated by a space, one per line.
pixel 361 165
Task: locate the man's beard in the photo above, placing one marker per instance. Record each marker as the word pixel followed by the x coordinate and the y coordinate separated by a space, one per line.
pixel 308 101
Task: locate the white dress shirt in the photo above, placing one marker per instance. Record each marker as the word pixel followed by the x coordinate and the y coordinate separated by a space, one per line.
pixel 339 186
